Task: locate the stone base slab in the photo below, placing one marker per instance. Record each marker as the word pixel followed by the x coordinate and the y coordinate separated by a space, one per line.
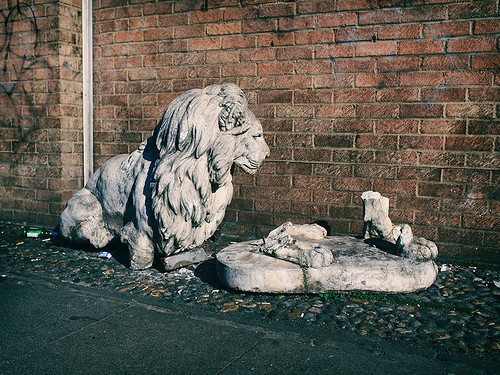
pixel 357 266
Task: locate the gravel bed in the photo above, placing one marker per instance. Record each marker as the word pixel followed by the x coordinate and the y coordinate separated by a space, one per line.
pixel 458 313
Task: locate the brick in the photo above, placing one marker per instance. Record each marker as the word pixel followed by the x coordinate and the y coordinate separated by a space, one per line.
pixel 437 219
pixel 294 140
pixel 312 125
pixel 470 143
pixel 335 111
pixel 376 80
pixel 421 142
pixel 487 26
pixel 274 68
pixel 374 171
pixel 191 31
pixel 204 44
pixel 239 41
pixel 309 209
pixel 128 36
pixel 396 126
pixel 355 34
pixel 398 64
pixel 318 6
pixel 376 141
pixel 332 197
pixel 421 110
pixel 485 94
pixel 296 23
pixel 445 62
pixel 356 4
pixel 443 127
pixel 298 82
pixel 397 95
pixel 468 78
pixel 336 20
pixel 276 10
pixel 294 53
pixel 485 127
pixel 351 184
pixel 379 16
pixel 395 187
pixel 473 10
pixel 482 222
pixel 417 203
pixel 470 45
pixel 352 156
pixel 309 96
pixel 402 31
pixel 487 192
pixel 274 39
pixel 443 94
pixel 172 19
pixel 323 183
pixel 300 195
pixel 299 111
pixel 467 110
pixel 377 110
pixel 334 51
pixel 334 141
pixel 445 159
pixel 294 168
pixel 421 47
pixel 267 54
pixel 313 155
pixel 419 173
pixel 440 190
pixel 353 65
pixel 380 48
pixel 240 13
pixel 314 37
pixel 428 13
pixel 354 95
pixel 275 97
pixel 461 236
pixel 224 28
pixel 334 170
pixel 420 79
pixel 465 175
pixel 485 62
pixel 446 29
pixel 258 26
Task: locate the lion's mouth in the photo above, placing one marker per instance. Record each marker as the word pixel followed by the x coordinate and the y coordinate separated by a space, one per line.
pixel 248 166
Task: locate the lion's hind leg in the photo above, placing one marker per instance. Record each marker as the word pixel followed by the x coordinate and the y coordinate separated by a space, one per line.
pixel 82 220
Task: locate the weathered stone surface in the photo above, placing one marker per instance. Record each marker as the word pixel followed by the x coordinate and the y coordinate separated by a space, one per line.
pixel 379 225
pixel 171 194
pixel 356 265
pixel 184 259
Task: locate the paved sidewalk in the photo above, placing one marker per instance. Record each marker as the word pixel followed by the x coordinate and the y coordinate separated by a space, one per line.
pixel 51 327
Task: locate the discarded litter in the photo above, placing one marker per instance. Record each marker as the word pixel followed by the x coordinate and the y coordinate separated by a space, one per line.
pixel 444 268
pixel 39 233
pixel 104 254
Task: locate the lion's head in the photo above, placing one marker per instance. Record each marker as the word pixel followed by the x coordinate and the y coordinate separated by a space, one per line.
pixel 202 133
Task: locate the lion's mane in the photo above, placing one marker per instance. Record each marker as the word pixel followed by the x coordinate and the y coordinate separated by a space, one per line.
pixel 191 181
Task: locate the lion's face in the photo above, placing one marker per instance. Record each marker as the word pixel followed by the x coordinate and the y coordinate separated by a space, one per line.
pixel 251 148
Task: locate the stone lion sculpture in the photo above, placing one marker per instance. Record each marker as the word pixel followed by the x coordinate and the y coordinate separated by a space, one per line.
pixel 171 194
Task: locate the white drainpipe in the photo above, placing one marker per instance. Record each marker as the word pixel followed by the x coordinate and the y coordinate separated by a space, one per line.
pixel 88 110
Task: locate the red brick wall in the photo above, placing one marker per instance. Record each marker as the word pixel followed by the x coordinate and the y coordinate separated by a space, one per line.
pixel 40 108
pixel 400 97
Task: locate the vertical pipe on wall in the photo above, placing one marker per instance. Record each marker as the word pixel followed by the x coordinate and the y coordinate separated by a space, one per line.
pixel 88 115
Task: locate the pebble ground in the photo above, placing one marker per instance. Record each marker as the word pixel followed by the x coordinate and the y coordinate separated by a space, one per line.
pixel 459 313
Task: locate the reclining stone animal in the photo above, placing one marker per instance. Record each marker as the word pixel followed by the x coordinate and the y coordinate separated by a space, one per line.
pixel 170 195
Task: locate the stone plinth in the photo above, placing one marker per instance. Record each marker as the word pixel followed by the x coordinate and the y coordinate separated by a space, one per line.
pixel 356 266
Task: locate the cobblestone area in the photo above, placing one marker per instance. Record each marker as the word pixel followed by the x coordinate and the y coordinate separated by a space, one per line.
pixel 459 313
